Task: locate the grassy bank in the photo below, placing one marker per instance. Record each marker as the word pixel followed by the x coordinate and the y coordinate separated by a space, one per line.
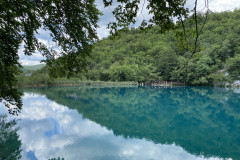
pixel 80 83
pixel 49 82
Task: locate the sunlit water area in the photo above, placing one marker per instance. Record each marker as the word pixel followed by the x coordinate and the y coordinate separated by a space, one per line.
pixel 85 123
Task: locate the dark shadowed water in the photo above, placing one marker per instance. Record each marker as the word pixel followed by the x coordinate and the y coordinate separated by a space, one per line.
pixel 124 123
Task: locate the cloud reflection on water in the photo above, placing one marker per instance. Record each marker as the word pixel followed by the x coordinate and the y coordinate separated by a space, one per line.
pixel 49 130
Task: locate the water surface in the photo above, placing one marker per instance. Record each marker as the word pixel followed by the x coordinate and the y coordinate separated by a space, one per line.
pixel 127 123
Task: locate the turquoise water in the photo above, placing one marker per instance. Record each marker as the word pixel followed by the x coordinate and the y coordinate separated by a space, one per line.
pixel 184 123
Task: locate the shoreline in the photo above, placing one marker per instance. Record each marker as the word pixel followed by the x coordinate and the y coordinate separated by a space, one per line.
pixel 78 83
pixel 99 83
pixel 235 84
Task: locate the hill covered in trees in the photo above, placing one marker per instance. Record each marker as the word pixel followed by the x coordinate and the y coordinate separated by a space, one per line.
pixel 137 55
pixel 33 67
pixel 143 56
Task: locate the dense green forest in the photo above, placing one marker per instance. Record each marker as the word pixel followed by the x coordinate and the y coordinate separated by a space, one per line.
pixel 143 56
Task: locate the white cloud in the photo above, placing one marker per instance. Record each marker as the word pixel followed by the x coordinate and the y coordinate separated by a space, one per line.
pixel 29 62
pixel 215 5
pixel 43 34
pixel 44 41
pixel 224 5
pixel 102 31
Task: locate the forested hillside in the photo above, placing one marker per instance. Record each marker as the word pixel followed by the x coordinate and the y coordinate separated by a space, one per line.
pixel 33 67
pixel 137 55
pixel 145 56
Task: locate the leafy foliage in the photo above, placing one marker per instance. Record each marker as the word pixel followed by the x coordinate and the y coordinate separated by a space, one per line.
pixel 163 11
pixel 149 56
pixel 233 67
pixel 72 25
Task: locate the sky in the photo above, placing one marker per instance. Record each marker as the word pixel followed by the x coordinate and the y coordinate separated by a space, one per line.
pixel 102 31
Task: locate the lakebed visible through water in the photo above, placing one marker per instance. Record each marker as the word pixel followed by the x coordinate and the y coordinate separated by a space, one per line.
pixel 176 123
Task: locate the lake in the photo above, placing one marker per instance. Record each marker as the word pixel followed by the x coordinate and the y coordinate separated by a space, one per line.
pixel 78 123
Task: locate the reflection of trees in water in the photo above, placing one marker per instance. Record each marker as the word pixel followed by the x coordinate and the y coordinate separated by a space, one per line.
pixel 201 120
pixel 11 98
pixel 10 145
pixel 57 158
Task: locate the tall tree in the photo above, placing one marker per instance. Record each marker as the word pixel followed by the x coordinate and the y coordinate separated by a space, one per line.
pixel 72 25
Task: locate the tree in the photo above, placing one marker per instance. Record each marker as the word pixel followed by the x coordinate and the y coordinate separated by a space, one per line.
pixel 233 67
pixel 72 25
pixel 163 11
